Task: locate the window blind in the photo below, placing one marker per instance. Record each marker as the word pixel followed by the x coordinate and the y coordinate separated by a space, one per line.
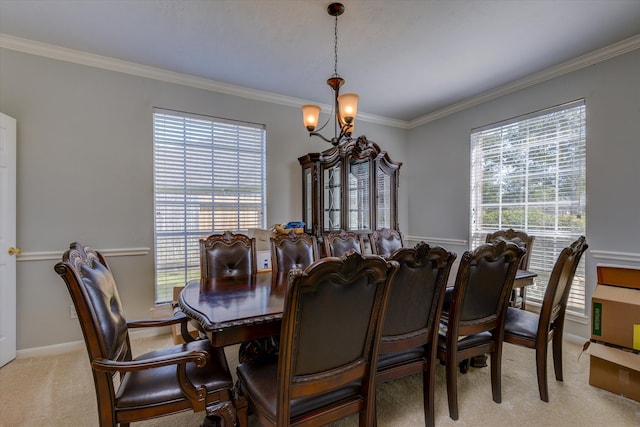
pixel 528 173
pixel 209 176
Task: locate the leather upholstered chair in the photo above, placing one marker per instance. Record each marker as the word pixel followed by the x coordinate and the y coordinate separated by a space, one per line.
pixel 410 331
pixel 384 241
pixel 520 238
pixel 292 250
pixel 531 330
pixel 331 325
pixel 338 243
pixel 474 325
pixel 192 376
pixel 227 254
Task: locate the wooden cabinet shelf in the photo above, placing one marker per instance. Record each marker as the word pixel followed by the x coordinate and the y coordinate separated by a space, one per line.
pixel 353 186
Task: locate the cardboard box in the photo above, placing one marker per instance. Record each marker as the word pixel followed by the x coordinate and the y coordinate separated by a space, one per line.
pixel 618 275
pixel 615 316
pixel 263 238
pixel 615 370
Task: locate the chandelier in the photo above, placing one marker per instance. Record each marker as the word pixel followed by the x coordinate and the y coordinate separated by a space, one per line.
pixel 345 105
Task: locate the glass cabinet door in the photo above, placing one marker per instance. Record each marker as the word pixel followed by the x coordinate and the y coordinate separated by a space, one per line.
pixel 359 203
pixel 384 217
pixel 332 198
pixel 352 186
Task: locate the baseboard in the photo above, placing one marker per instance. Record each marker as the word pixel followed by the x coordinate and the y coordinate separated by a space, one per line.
pixel 52 350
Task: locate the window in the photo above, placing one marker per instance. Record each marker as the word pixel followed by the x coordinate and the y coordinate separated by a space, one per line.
pixel 528 174
pixel 209 176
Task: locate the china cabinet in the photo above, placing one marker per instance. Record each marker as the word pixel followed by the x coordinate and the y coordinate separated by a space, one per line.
pixel 352 186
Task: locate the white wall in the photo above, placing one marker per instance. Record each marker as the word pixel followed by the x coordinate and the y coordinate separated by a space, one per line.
pixel 85 169
pixel 439 190
pixel 85 174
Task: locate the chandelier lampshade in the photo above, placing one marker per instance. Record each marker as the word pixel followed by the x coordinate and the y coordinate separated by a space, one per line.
pixel 310 115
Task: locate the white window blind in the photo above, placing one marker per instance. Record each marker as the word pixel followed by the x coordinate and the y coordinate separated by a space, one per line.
pixel 528 173
pixel 209 176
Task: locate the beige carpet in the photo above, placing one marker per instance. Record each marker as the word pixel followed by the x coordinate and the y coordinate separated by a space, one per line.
pixel 58 391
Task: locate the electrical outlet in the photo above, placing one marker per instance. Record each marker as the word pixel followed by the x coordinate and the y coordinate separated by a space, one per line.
pixel 72 312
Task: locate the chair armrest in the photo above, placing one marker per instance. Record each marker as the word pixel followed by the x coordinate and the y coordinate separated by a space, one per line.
pixel 178 317
pixel 181 358
pixel 195 394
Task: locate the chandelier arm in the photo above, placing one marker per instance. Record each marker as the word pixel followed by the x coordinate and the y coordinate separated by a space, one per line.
pixel 331 141
pixel 331 114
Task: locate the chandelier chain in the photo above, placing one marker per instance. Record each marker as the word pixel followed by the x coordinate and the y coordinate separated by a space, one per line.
pixel 335 47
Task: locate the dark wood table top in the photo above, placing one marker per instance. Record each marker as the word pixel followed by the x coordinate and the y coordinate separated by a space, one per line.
pixel 241 309
pixel 238 309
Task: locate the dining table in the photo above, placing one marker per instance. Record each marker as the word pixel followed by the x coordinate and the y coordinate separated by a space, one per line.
pixel 247 310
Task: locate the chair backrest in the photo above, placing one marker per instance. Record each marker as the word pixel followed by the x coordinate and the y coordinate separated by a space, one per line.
pixel 338 243
pixel 331 328
pixel 292 250
pixel 385 240
pixel 416 297
pixel 520 238
pixel 482 288
pixel 102 319
pixel 556 295
pixel 227 255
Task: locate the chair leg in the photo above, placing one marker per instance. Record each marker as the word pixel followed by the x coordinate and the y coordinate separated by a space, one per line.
pixel 428 385
pixel 541 369
pixel 464 366
pixel 496 375
pixel 557 354
pixel 242 411
pixel 452 387
pixel 367 416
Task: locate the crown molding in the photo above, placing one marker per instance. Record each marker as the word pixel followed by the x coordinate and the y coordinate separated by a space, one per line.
pixel 83 58
pixel 575 64
pixel 55 52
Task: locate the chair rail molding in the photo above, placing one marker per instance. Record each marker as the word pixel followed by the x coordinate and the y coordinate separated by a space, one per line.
pixel 57 255
pixel 436 240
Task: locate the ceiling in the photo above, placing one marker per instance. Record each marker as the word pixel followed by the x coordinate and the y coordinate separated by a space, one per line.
pixel 405 58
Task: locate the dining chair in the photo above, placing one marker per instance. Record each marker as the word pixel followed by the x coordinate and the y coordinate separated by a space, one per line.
pixel 533 330
pixel 292 250
pixel 331 325
pixel 227 254
pixel 338 243
pixel 192 376
pixel 474 324
pixel 410 329
pixel 518 296
pixel 385 240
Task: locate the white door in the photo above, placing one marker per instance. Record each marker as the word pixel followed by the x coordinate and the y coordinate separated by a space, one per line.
pixel 8 250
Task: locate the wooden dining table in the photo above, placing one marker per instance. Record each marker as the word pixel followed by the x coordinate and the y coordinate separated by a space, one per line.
pixel 235 310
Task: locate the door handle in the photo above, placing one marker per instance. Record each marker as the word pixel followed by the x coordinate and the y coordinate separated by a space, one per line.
pixel 14 251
